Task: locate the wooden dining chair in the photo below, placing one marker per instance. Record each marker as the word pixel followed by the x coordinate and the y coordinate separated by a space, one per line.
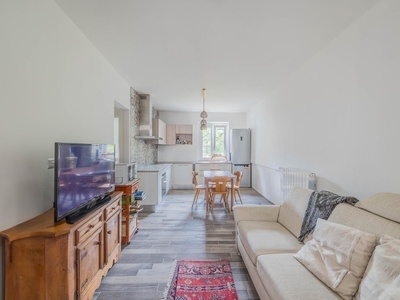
pixel 236 186
pixel 219 187
pixel 198 187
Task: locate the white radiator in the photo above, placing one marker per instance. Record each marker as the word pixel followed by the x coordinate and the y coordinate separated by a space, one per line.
pixel 291 178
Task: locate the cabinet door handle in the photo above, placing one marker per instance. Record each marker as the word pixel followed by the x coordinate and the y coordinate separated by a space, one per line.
pixel 84 283
pixel 91 226
pixel 84 254
pixel 109 232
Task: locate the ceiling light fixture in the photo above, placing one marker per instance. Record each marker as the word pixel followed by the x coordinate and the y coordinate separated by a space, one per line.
pixel 203 115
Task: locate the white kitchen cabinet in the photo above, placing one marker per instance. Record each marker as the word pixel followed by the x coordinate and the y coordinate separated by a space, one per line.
pixel 168 172
pixel 150 183
pixel 223 166
pixel 200 168
pixel 153 179
pixel 182 176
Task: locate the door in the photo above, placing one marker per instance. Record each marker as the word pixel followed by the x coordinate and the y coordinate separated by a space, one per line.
pixel 113 235
pixel 240 146
pixel 89 260
pixel 171 135
pixel 200 168
pixel 182 177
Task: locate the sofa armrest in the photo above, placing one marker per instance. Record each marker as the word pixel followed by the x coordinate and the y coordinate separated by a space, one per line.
pixel 248 212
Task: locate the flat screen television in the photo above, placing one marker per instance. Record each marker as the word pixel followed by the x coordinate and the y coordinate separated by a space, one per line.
pixel 84 177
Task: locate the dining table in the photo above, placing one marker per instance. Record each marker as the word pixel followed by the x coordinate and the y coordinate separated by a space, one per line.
pixel 208 175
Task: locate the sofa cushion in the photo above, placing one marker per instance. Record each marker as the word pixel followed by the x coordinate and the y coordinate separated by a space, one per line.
pixel 386 205
pixel 285 278
pixel 293 209
pixel 266 237
pixel 363 220
pixel 252 212
pixel 338 255
pixel 382 277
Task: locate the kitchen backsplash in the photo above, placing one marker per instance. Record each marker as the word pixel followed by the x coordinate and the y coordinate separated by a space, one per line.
pixel 141 152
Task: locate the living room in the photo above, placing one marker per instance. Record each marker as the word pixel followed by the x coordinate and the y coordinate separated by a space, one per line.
pixel 336 114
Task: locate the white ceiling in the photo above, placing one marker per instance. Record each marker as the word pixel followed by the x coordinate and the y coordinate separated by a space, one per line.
pixel 239 50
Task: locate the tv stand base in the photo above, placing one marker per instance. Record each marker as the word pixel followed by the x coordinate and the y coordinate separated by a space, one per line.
pixel 55 260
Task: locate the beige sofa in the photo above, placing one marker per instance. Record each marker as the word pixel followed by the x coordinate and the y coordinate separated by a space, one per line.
pixel 267 240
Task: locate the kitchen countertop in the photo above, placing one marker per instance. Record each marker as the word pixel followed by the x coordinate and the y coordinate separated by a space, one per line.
pixel 152 167
pixel 197 162
pixel 212 162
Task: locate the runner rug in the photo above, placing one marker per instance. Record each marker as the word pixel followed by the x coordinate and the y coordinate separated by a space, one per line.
pixel 197 279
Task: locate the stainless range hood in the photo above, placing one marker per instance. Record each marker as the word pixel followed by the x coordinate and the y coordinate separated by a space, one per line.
pixel 145 119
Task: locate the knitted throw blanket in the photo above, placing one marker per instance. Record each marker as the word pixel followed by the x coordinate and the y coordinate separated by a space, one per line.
pixel 321 205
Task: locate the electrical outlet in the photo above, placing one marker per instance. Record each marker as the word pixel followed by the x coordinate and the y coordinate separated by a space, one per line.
pixel 50 163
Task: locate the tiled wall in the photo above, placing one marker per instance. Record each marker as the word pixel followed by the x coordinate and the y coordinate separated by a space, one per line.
pixel 141 152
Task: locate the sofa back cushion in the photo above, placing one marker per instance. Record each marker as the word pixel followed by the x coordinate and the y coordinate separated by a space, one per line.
pixel 386 205
pixel 382 277
pixel 292 211
pixel 363 220
pixel 338 255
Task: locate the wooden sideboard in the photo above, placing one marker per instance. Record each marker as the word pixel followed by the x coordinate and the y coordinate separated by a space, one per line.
pixel 130 222
pixel 45 260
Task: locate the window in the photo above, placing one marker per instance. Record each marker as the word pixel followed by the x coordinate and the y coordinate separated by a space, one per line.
pixel 214 140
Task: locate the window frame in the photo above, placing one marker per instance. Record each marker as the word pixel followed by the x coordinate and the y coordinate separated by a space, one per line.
pixel 213 126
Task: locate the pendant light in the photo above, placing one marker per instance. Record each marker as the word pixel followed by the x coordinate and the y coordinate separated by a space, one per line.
pixel 203 115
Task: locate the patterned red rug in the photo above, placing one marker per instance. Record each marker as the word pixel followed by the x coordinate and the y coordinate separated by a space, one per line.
pixel 203 280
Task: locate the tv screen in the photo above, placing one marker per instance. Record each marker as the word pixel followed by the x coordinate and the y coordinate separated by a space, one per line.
pixel 84 176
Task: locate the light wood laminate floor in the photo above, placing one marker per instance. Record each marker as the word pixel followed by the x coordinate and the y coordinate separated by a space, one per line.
pixel 177 231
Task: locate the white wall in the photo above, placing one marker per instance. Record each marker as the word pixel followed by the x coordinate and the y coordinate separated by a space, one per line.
pixel 189 153
pixel 338 115
pixel 55 86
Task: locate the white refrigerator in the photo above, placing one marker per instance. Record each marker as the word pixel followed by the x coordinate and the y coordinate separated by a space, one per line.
pixel 239 154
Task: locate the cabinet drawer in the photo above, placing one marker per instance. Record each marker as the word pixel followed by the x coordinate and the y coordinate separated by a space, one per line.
pixel 112 209
pixel 87 229
pixel 134 187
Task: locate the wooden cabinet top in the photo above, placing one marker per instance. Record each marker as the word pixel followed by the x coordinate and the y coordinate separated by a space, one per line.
pixel 44 225
pixel 133 182
pixel 184 129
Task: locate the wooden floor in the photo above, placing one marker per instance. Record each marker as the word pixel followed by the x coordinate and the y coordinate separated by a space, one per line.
pixel 176 231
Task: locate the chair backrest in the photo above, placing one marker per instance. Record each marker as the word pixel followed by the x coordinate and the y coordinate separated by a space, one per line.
pixel 219 157
pixel 239 176
pixel 195 178
pixel 220 183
